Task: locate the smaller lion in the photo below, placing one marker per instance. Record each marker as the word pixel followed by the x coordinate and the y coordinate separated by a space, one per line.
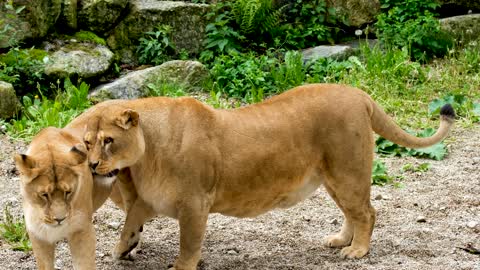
pixel 56 185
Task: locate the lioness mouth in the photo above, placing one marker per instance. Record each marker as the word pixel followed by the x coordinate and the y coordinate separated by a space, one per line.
pixel 110 174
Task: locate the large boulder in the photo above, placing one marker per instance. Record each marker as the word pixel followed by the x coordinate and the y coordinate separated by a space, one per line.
pixel 100 15
pixel 463 28
pixel 68 17
pixel 84 60
pixel 357 12
pixel 34 21
pixel 187 20
pixel 189 74
pixel 9 104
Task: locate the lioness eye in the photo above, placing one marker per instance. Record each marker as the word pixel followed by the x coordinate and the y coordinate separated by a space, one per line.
pixel 108 140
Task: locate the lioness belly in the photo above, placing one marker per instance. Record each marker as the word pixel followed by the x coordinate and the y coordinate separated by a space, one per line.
pixel 254 202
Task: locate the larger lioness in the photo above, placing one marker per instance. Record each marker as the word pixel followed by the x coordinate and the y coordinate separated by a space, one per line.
pixel 188 160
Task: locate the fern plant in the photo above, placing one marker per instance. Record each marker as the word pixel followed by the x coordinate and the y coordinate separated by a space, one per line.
pixel 256 16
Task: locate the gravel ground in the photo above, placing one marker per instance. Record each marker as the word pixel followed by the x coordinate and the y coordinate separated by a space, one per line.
pixel 447 196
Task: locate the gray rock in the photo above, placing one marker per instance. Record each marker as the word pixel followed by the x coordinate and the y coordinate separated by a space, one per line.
pixel 187 20
pixel 9 104
pixel 464 28
pixel 100 15
pixel 338 52
pixel 33 21
pixel 190 74
pixel 472 224
pixel 82 59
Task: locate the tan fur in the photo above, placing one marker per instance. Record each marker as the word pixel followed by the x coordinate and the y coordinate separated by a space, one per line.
pixel 56 163
pixel 187 160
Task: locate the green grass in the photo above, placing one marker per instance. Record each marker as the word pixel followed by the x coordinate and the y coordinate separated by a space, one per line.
pixel 14 232
pixel 40 112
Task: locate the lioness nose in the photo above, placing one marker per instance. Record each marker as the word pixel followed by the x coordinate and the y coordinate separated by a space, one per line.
pixel 59 220
pixel 93 165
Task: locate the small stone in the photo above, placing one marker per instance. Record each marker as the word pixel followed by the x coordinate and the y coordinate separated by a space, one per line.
pixel 333 221
pixel 114 225
pixel 472 224
pixel 442 208
pixel 232 251
pixel 3 128
pixel 421 219
pixel 101 255
pixel 307 218
pixel 379 197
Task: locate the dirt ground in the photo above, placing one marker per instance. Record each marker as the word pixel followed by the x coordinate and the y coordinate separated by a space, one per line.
pixel 447 196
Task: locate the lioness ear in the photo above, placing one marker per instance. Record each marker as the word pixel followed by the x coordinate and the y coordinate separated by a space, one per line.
pixel 26 166
pixel 127 119
pixel 80 153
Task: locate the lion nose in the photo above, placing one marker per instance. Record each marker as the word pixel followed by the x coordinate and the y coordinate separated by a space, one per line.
pixel 93 165
pixel 59 220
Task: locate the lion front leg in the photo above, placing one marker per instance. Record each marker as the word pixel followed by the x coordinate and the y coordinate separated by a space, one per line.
pixel 82 246
pixel 138 214
pixel 44 253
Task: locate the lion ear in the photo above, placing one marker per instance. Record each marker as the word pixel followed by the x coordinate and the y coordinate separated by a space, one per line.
pixel 127 119
pixel 26 165
pixel 79 153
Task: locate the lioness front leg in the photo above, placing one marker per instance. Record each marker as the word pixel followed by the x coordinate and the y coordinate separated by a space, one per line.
pixel 82 246
pixel 193 222
pixel 44 253
pixel 138 214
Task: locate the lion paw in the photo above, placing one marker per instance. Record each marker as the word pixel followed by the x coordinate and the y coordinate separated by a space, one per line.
pixel 353 252
pixel 126 250
pixel 336 241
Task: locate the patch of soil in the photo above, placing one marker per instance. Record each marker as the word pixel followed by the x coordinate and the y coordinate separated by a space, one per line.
pixel 447 196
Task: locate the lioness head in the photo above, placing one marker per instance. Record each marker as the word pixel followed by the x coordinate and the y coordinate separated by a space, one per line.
pixel 114 140
pixel 51 172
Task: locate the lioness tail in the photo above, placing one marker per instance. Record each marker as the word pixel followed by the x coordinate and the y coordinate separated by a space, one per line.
pixel 384 126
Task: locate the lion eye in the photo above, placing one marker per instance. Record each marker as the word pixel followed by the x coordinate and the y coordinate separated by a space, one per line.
pixel 108 140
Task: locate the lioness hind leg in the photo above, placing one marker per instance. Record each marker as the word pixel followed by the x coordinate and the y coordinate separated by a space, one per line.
pixel 357 229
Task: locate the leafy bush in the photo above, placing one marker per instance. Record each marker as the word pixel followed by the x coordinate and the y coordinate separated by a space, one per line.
pixel 380 176
pixel 24 68
pixel 15 232
pixel 412 24
pixel 41 112
pixel 309 23
pixel 156 47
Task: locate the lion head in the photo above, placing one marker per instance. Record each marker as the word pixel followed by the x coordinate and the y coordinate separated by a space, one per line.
pixel 54 174
pixel 114 140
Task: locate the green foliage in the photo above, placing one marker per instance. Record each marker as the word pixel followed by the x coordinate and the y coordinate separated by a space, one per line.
pixel 8 11
pixel 291 72
pixel 156 47
pixel 256 17
pixel 163 87
pixel 221 37
pixel 89 37
pixel 24 68
pixel 412 24
pixel 420 168
pixel 14 232
pixel 309 23
pixel 329 70
pixel 380 176
pixel 244 75
pixel 464 107
pixel 41 112
pixel 386 147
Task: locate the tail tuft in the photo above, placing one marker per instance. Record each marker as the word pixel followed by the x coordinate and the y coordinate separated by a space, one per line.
pixel 447 111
